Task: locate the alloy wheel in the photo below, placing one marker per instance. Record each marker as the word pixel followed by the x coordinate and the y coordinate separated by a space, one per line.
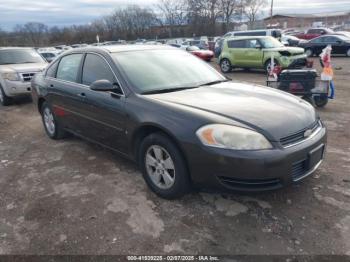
pixel 225 66
pixel 1 96
pixel 49 121
pixel 160 167
pixel 309 52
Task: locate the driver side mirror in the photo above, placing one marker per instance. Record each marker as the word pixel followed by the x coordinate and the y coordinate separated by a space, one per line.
pixel 105 85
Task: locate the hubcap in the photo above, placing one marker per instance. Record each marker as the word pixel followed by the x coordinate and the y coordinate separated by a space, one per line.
pixel 49 121
pixel 225 66
pixel 1 96
pixel 308 52
pixel 160 167
pixel 348 53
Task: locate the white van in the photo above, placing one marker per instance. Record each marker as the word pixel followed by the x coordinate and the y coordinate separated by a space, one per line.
pixel 276 33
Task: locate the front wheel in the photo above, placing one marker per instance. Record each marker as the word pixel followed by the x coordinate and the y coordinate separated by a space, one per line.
pixel 309 52
pixel 163 167
pixel 225 66
pixel 52 127
pixel 4 99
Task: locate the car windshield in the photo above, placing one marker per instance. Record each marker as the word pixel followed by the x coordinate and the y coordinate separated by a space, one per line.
pixel 270 42
pixel 165 70
pixel 19 56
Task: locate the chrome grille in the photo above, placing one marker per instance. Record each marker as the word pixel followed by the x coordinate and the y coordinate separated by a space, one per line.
pixel 299 136
pixel 27 77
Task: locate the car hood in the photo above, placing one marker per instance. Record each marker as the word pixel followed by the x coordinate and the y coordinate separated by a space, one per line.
pixel 30 67
pixel 265 109
pixel 292 50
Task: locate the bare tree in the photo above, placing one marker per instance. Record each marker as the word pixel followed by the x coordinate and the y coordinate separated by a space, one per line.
pixel 35 33
pixel 173 12
pixel 252 9
pixel 228 9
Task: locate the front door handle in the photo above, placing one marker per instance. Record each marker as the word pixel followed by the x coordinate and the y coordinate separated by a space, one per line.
pixel 81 95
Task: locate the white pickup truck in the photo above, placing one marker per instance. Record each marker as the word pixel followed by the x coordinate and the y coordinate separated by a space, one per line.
pixel 17 67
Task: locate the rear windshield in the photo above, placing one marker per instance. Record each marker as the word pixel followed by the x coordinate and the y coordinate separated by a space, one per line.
pixel 19 56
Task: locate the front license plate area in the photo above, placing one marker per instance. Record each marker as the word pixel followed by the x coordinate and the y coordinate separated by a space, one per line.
pixel 315 156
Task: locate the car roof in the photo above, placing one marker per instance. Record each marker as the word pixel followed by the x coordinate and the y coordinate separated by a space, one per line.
pixel 15 48
pixel 122 48
pixel 247 37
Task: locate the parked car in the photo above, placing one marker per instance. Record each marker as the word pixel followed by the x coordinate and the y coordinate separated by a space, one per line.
pixel 184 123
pixel 256 52
pixel 313 33
pixel 276 33
pixel 340 45
pixel 202 44
pixel 49 56
pixel 206 55
pixel 17 67
pixel 344 33
pixel 289 40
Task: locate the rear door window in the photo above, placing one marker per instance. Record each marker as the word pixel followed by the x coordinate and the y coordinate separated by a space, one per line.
pixel 68 67
pixel 236 44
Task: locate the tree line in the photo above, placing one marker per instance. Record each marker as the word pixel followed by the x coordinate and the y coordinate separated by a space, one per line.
pixel 166 19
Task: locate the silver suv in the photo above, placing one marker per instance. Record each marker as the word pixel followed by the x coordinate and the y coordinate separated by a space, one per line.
pixel 17 67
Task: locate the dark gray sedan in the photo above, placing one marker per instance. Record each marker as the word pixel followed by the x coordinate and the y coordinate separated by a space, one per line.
pixel 184 123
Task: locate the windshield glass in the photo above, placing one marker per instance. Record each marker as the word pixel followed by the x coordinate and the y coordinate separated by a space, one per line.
pixel 153 70
pixel 19 56
pixel 270 42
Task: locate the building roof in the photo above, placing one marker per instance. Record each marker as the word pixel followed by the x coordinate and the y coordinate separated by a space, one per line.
pixel 317 15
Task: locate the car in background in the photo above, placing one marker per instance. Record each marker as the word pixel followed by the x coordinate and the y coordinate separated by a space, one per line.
pixel 63 48
pixel 201 44
pixel 17 68
pixel 257 52
pixel 289 40
pixel 205 55
pixel 340 45
pixel 276 33
pixel 218 46
pixel 313 33
pixel 180 120
pixel 49 56
pixel 344 33
pixel 79 45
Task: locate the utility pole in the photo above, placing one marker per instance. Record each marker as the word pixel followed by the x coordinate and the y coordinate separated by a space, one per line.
pixel 271 13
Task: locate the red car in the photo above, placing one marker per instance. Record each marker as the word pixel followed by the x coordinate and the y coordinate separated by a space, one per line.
pixel 206 55
pixel 313 33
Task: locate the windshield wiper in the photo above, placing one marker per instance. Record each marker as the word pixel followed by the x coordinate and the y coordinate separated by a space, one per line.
pixel 167 90
pixel 215 82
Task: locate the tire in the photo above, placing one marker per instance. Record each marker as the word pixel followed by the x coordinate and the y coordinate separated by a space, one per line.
pixel 51 125
pixel 267 65
pixel 163 167
pixel 225 66
pixel 4 99
pixel 321 101
pixel 309 52
pixel 348 53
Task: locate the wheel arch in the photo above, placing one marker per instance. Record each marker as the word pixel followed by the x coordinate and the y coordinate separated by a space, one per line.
pixel 151 128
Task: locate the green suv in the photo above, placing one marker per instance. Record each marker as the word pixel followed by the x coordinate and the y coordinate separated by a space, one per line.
pixel 256 52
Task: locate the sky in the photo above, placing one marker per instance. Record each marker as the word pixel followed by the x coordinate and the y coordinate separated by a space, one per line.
pixel 68 12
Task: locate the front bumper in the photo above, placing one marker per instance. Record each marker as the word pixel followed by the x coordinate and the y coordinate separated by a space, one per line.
pixel 256 170
pixel 17 88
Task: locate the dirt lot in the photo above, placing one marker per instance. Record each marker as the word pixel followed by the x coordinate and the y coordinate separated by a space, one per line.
pixel 72 197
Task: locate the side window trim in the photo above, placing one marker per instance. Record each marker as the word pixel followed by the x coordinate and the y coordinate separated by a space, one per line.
pixel 79 70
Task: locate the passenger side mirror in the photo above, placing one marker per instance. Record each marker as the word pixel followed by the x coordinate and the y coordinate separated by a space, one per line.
pixel 105 85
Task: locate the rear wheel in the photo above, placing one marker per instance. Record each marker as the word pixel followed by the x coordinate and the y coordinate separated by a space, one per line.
pixel 321 101
pixel 52 127
pixel 225 66
pixel 163 167
pixel 4 99
pixel 309 52
pixel 348 52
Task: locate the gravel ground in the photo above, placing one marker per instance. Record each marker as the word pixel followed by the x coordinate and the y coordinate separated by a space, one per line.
pixel 72 197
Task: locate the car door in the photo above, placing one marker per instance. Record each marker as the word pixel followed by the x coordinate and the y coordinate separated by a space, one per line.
pixel 253 54
pixel 336 43
pixel 236 52
pixel 65 92
pixel 103 111
pixel 317 45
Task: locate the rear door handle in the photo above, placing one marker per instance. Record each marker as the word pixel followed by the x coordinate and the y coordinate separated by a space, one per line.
pixel 81 95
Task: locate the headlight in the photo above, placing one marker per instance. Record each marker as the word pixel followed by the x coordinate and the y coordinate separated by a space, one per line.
pixel 11 76
pixel 232 137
